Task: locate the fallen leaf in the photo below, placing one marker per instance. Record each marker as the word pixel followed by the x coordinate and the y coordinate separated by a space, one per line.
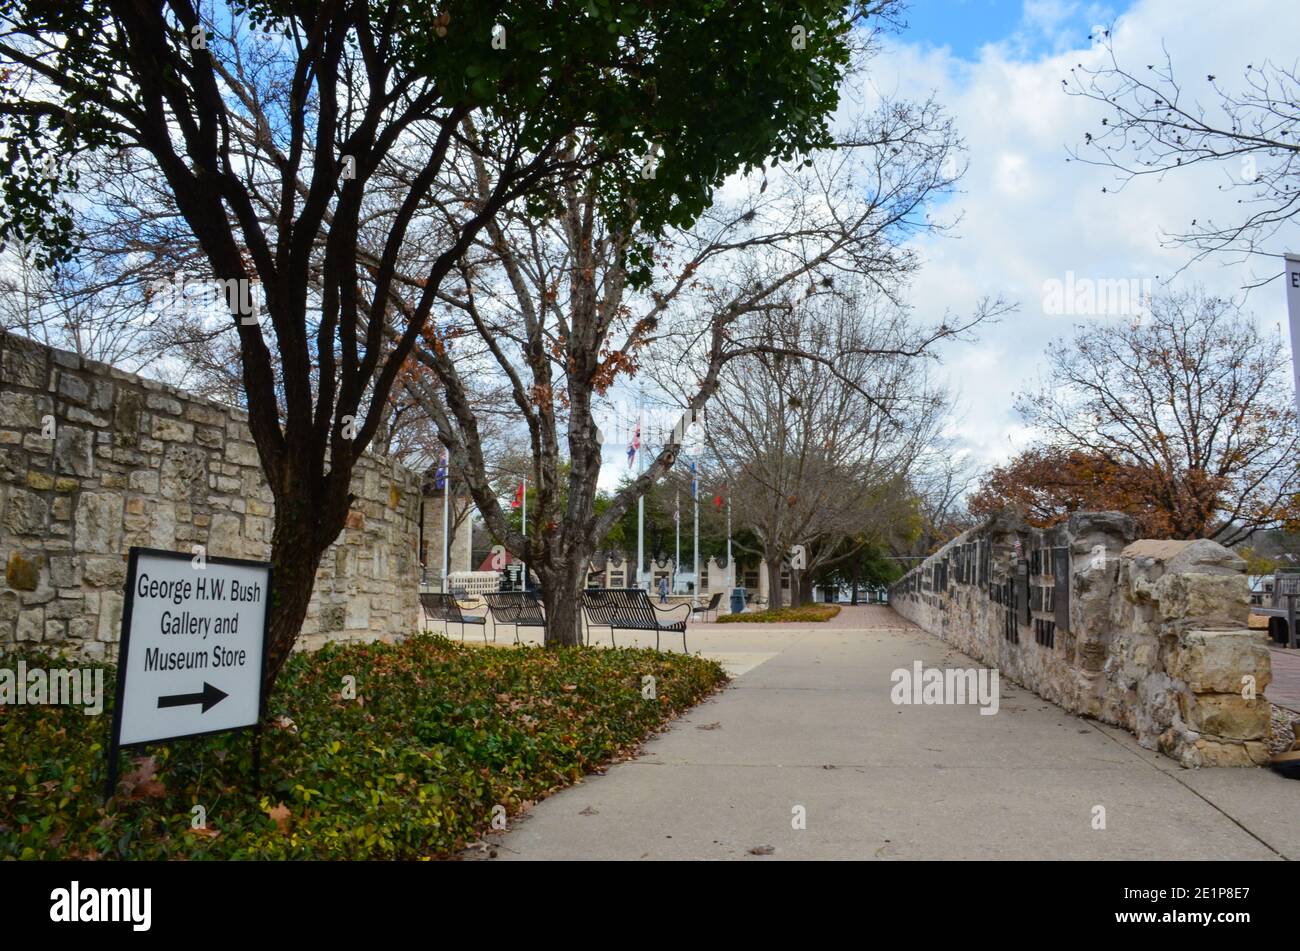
pixel 280 815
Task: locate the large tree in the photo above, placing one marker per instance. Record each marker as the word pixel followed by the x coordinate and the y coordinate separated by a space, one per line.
pixel 820 448
pixel 572 305
pixel 1048 485
pixel 1188 411
pixel 311 149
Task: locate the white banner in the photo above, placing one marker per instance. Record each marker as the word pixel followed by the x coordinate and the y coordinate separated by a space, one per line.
pixel 1292 276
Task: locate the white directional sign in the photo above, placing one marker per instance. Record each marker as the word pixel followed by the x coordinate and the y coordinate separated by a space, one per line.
pixel 193 634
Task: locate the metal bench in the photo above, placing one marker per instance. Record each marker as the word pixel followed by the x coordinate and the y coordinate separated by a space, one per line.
pixel 629 609
pixel 518 608
pixel 705 609
pixel 443 607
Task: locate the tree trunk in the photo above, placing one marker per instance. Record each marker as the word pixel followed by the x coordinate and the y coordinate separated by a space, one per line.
pixel 295 557
pixel 854 600
pixel 775 598
pixel 805 587
pixel 562 598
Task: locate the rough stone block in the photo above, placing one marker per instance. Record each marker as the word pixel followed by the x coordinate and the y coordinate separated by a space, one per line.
pixel 73 449
pixel 172 430
pixel 26 513
pixel 23 572
pixel 99 522
pixel 1226 715
pixel 73 388
pixel 1216 661
pixel 1203 600
pixel 22 363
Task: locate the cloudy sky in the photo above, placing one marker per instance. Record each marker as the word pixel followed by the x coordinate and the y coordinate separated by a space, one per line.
pixel 1028 215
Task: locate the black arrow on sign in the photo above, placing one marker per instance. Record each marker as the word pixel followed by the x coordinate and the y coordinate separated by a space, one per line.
pixel 209 697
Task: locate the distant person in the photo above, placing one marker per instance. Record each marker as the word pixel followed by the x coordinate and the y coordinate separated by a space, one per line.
pixel 663 590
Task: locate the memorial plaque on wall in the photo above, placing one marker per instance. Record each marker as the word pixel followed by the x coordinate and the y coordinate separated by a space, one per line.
pixel 1061 594
pixel 1022 588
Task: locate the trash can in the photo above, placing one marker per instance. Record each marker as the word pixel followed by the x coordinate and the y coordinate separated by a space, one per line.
pixel 737 600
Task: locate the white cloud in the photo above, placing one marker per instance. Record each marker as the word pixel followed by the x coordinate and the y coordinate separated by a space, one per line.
pixel 1029 216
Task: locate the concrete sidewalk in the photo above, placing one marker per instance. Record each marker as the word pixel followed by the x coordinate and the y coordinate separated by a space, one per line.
pixel 808 722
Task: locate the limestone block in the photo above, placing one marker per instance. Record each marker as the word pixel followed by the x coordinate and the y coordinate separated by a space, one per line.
pixel 162 527
pixel 207 415
pixel 19 409
pixel 242 454
pixel 22 363
pixel 1212 752
pixel 63 609
pixel 225 537
pixel 73 388
pixel 172 430
pixel 127 417
pixel 1216 661
pixel 26 513
pixel 82 628
pixel 31 625
pixel 1209 600
pixel 73 448
pixel 104 571
pixel 1226 715
pixel 110 617
pixel 357 616
pixel 184 474
pixel 76 414
pixel 163 403
pixel 99 522
pixel 143 480
pixel 1204 557
pixel 23 572
pixel 65 571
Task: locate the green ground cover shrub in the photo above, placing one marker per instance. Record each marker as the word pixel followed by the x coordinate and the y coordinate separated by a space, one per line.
pixel 437 736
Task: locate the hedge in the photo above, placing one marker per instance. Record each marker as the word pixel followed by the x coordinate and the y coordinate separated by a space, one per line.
pixel 439 734
pixel 803 613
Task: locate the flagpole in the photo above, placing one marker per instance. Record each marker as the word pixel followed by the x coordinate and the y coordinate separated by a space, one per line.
pixel 640 501
pixel 731 565
pixel 523 518
pixel 677 559
pixel 695 601
pixel 446 519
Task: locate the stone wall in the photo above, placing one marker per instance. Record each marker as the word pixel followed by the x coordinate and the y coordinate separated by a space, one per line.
pixel 94 461
pixel 1148 635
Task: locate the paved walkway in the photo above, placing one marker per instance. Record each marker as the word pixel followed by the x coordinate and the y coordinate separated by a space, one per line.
pixel 808 723
pixel 1285 688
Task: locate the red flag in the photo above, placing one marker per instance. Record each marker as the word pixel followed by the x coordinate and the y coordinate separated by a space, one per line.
pixel 519 497
pixel 717 500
